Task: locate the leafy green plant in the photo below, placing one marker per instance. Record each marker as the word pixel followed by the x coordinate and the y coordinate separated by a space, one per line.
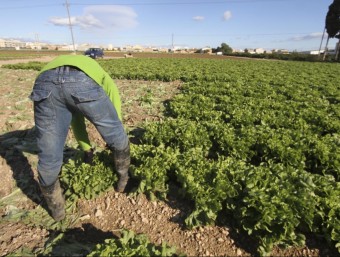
pixel 81 180
pixel 146 98
pixel 131 244
pixel 25 66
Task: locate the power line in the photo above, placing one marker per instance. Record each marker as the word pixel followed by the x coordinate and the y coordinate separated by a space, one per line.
pixel 188 3
pixel 29 6
pixel 148 3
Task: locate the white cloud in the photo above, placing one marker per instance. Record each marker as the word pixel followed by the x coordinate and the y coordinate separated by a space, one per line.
pixel 227 15
pixel 316 35
pixel 58 21
pixel 88 21
pixel 101 17
pixel 198 18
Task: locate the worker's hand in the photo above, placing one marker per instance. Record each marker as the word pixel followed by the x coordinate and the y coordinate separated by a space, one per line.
pixel 88 156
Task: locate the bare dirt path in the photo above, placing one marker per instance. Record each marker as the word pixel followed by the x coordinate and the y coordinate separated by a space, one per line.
pixel 14 61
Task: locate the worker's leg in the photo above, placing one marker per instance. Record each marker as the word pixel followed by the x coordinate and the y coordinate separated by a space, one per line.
pixel 52 119
pixel 112 131
pixel 93 102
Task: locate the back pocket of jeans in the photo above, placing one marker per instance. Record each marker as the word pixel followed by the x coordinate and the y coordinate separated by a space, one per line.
pixel 93 103
pixel 88 96
pixel 44 111
pixel 38 95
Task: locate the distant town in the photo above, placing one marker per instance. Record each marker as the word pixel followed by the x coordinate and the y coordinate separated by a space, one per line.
pixel 16 44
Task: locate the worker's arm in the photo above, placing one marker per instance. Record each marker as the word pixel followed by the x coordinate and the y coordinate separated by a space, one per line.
pixel 79 130
pixel 112 92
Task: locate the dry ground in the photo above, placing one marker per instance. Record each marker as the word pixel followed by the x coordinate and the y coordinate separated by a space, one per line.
pixel 104 216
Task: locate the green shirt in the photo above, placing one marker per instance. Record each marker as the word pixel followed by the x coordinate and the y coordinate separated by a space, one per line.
pixel 92 69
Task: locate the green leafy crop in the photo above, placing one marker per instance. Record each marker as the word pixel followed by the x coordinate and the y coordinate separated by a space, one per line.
pixel 253 141
pixel 81 180
pixel 131 244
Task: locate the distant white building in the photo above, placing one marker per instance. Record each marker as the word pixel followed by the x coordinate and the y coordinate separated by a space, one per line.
pixel 67 47
pixel 12 43
pixel 281 51
pixel 238 50
pixel 259 50
pixel 315 52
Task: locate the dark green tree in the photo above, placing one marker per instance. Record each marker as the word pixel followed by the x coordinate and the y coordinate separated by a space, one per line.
pixel 333 25
pixel 333 19
pixel 224 48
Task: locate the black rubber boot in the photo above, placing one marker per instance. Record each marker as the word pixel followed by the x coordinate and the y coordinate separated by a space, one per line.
pixel 88 156
pixel 122 163
pixel 55 200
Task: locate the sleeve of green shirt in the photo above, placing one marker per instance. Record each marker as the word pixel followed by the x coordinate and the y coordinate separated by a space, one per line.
pixel 79 130
pixel 112 92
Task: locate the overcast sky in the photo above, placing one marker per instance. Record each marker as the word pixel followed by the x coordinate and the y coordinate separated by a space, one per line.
pixel 270 24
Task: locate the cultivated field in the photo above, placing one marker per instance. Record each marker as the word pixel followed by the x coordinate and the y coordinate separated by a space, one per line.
pixel 230 157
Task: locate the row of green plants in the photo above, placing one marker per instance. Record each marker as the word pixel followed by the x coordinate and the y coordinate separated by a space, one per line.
pixel 251 142
pixel 292 56
pixel 192 69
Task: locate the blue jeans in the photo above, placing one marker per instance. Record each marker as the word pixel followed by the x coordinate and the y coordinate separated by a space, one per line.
pixel 58 94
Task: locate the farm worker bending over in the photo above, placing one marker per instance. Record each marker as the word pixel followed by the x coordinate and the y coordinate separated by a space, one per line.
pixel 66 90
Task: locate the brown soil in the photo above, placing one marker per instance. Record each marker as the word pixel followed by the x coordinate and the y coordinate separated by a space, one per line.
pixel 103 217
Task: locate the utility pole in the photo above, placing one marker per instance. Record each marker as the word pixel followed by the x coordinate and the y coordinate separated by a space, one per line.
pixel 172 41
pixel 326 49
pixel 172 45
pixel 36 35
pixel 70 24
pixel 321 42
